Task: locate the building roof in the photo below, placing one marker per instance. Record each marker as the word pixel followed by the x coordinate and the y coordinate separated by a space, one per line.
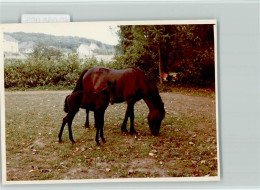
pixel 9 38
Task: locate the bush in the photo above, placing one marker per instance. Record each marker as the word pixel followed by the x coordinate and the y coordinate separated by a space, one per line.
pixel 41 71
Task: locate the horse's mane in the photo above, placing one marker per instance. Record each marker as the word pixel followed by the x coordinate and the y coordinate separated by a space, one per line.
pixel 156 99
pixel 154 96
pixel 79 85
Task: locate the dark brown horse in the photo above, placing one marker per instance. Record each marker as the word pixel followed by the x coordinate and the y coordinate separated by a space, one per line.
pixel 132 86
pixel 94 101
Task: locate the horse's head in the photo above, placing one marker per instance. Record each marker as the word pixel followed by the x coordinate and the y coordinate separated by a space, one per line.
pixel 111 88
pixel 155 118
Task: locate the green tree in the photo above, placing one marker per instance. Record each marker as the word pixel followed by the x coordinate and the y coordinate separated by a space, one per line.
pixel 184 49
pixel 42 50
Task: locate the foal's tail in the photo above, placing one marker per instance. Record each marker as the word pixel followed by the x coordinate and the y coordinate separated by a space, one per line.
pixel 79 85
pixel 66 107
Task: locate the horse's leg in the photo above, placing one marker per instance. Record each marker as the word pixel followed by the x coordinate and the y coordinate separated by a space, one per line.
pixel 123 127
pixel 71 117
pixel 97 126
pixel 132 116
pixel 129 112
pixel 64 121
pixel 101 119
pixel 87 119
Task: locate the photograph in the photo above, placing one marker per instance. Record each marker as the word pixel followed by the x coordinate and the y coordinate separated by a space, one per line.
pixel 125 101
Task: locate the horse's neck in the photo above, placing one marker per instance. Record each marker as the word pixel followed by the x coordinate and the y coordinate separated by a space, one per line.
pixel 153 103
pixel 149 104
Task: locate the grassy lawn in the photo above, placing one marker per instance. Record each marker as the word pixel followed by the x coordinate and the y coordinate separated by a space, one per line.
pixel 186 146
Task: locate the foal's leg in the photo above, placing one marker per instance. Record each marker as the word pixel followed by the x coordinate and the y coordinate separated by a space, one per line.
pixel 64 121
pixel 87 119
pixel 71 117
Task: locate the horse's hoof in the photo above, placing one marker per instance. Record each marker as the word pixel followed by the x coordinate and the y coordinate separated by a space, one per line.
pixel 86 126
pixel 124 130
pixel 133 132
pixel 98 143
pixel 60 141
pixel 103 140
pixel 73 142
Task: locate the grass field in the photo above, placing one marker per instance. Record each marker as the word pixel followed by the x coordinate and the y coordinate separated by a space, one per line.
pixel 186 146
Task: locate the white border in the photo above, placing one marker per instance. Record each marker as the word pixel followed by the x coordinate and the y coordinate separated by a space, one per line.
pixel 2 109
pixel 216 93
pixel 162 179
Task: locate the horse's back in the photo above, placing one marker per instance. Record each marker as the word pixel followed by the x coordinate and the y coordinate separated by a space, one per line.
pixel 130 82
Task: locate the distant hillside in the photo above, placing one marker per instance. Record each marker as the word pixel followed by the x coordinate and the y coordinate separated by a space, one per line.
pixel 66 42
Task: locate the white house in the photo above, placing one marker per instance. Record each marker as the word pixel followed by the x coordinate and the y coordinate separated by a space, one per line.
pixel 26 47
pixel 85 50
pixel 10 45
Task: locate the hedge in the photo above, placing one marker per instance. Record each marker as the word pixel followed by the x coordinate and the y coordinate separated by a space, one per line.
pixel 60 72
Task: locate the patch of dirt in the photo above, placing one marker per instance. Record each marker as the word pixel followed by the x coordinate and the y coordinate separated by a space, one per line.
pixel 146 165
pixel 185 103
pixel 39 143
pixel 83 173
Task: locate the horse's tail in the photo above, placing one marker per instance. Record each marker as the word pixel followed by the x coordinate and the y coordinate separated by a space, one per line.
pixel 79 85
pixel 66 107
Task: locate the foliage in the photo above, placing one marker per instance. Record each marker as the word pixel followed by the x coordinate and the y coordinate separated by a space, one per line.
pixel 49 71
pixel 42 50
pixel 184 49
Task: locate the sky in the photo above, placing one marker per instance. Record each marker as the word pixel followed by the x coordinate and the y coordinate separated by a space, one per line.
pixel 101 31
pixel 105 32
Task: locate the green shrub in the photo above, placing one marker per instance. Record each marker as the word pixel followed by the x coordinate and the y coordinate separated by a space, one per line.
pixel 42 71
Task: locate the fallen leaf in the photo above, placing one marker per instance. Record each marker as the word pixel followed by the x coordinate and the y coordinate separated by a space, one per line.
pixel 108 170
pixel 45 171
pixel 154 151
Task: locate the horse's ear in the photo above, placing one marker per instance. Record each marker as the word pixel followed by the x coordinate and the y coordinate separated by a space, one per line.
pixel 108 83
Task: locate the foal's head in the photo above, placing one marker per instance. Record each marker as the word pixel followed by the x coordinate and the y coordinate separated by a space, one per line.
pixel 111 89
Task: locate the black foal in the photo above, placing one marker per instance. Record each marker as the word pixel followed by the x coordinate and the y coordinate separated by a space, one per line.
pixel 94 101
